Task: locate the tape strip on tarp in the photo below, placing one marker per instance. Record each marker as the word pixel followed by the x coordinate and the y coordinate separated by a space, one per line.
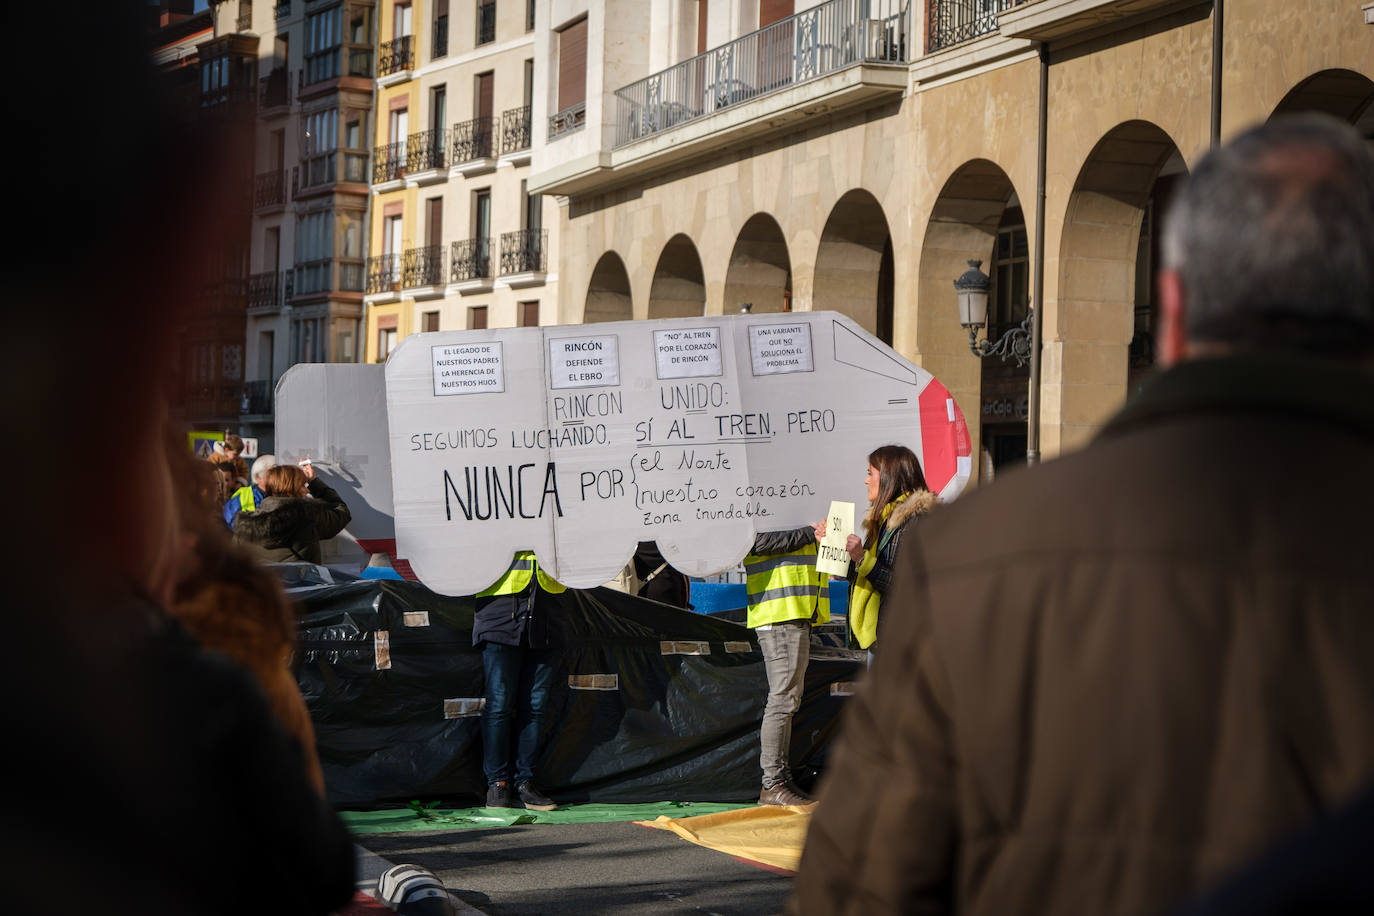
pixel 594 681
pixel 464 707
pixel 381 649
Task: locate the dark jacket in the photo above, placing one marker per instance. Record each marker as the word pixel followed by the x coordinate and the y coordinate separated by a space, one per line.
pixel 515 620
pixel 1121 674
pixel 287 529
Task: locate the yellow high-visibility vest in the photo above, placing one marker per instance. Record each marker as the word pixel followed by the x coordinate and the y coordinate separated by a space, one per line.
pixel 786 586
pixel 246 500
pixel 517 578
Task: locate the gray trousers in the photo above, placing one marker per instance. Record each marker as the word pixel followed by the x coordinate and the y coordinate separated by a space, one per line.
pixel 786 649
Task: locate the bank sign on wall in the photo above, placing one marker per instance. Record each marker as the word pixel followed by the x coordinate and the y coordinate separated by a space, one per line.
pixel 579 441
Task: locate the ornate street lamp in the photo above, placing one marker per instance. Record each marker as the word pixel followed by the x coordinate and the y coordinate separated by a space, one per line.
pixel 972 290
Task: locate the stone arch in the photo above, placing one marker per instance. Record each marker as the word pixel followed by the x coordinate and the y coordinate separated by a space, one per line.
pixel 853 271
pixel 1108 230
pixel 608 293
pixel 679 287
pixel 975 204
pixel 760 271
pixel 1346 94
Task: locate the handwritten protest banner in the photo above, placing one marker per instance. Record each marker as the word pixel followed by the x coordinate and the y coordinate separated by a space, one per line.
pixel 579 441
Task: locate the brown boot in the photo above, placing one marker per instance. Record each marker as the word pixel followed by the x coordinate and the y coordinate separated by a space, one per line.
pixel 784 793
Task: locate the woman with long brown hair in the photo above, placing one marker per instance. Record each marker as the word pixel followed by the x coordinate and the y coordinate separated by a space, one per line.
pixel 897 494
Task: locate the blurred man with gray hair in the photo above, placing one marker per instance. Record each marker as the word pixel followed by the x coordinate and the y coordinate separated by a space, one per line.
pixel 1111 679
pixel 247 499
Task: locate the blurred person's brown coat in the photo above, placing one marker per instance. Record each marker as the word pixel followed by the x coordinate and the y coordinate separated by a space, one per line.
pixel 1117 675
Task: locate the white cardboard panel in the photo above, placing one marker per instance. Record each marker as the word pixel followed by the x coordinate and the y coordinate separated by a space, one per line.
pixel 718 427
pixel 335 414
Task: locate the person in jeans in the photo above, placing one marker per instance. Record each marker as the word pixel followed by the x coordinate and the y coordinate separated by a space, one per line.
pixel 785 595
pixel 512 627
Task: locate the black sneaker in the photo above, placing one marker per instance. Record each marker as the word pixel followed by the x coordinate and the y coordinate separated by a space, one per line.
pixel 534 799
pixel 498 795
pixel 784 793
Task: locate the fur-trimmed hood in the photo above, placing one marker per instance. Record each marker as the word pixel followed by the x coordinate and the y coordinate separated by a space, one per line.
pixel 920 502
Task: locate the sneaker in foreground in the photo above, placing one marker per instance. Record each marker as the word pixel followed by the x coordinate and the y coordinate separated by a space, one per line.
pixel 534 799
pixel 498 795
pixel 784 793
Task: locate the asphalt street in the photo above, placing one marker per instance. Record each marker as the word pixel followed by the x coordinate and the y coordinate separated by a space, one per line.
pixel 615 868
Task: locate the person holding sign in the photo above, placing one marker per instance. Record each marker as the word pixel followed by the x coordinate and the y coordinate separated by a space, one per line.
pixel 897 494
pixel 512 627
pixel 786 595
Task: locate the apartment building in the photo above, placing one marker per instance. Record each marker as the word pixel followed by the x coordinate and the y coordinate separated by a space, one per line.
pixel 857 155
pixel 457 239
pixel 313 85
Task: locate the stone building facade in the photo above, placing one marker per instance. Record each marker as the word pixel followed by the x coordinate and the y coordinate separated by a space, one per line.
pixel 855 154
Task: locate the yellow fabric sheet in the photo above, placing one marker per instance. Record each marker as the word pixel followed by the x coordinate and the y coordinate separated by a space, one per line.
pixel 769 834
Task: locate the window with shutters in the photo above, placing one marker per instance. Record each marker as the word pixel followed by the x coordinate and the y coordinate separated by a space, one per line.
pixel 572 80
pixel 529 314
pixel 477 317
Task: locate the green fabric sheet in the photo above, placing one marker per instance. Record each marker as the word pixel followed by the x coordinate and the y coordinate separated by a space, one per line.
pixel 407 820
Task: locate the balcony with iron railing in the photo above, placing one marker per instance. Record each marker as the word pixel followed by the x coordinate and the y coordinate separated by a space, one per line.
pixel 426 151
pixel 283 9
pixel 268 291
pixel 824 40
pixel 257 398
pixel 274 91
pixel 952 22
pixel 423 267
pixel 515 130
pixel 472 145
pixel 395 56
pixel 383 274
pixel 389 162
pixel 269 189
pixel 245 20
pixel 524 254
pixel 470 263
pixel 572 118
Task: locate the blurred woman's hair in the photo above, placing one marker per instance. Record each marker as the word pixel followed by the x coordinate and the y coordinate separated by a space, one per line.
pixel 283 480
pixel 898 472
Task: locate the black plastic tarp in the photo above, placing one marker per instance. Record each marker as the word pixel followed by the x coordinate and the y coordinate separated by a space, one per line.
pixel 651 703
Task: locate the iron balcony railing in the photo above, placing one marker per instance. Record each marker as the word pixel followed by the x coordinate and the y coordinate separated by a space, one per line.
pixel 822 40
pixel 245 21
pixel 274 89
pixel 257 397
pixel 389 162
pixel 572 118
pixel 525 251
pixel 949 22
pixel 283 8
pixel 264 290
pixel 486 22
pixel 440 37
pixel 470 260
pixel 515 129
pixel 394 56
pixel 423 266
pixel 269 189
pixel 472 140
pixel 383 273
pixel 427 149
